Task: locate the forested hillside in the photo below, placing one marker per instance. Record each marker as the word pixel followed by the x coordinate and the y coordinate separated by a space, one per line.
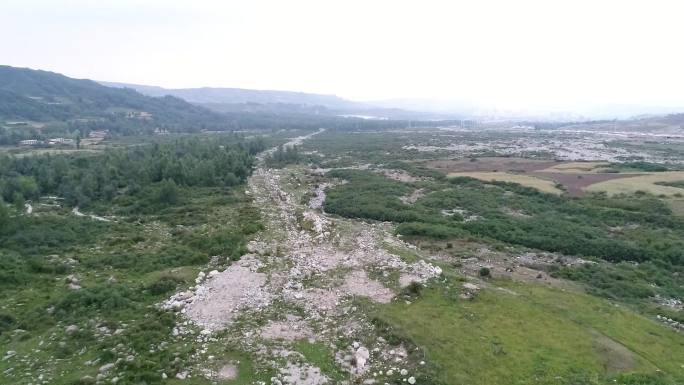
pixel 45 96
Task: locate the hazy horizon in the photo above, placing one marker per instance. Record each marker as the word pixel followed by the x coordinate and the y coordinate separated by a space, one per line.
pixel 530 55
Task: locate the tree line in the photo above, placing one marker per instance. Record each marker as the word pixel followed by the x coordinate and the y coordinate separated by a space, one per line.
pixel 80 179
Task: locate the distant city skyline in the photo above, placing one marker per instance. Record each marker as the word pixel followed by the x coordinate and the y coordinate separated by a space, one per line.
pixel 521 55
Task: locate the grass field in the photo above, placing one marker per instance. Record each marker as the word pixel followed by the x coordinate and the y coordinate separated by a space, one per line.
pixel 645 183
pixel 543 185
pixel 677 206
pixel 527 331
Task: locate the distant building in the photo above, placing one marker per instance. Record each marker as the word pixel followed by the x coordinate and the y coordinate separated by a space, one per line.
pixel 16 123
pixel 29 142
pixel 143 115
pixel 98 134
pixel 55 141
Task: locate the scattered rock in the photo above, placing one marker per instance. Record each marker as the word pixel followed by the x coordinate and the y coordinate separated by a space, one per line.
pixel 293 328
pixel 358 283
pixel 228 372
pixel 237 288
pixel 471 286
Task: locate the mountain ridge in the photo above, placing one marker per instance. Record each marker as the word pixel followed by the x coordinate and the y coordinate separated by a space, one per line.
pixel 229 95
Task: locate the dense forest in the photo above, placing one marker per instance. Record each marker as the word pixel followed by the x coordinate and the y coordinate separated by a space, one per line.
pixel 81 179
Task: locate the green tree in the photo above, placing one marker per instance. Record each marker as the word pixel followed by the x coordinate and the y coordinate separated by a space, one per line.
pixel 4 217
pixel 28 187
pixel 168 192
pixel 18 201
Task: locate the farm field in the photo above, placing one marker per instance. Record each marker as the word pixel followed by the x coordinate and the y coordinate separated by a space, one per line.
pixel 575 178
pixel 650 183
pixel 538 183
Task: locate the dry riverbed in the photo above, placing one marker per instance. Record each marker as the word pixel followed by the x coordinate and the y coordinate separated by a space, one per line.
pixel 298 283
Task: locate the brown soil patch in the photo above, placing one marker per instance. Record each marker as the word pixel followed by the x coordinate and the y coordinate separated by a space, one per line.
pixel 576 183
pixel 515 165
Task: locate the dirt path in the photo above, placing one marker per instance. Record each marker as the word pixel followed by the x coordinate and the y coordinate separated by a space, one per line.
pixel 298 283
pixel 78 213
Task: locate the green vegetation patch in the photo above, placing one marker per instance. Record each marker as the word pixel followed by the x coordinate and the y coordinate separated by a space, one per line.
pixel 319 355
pixel 534 332
pixel 79 293
pixel 592 226
pixel 632 229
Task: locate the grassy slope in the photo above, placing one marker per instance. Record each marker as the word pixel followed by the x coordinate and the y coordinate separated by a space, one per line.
pixel 538 335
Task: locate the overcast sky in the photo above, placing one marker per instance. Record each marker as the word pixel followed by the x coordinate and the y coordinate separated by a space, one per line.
pixel 514 54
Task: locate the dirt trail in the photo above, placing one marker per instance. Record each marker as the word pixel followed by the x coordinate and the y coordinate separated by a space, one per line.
pixel 298 281
pixel 78 213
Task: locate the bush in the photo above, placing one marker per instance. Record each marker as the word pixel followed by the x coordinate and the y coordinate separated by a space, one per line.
pixel 163 285
pixel 105 298
pixel 484 272
pixel 413 290
pixel 168 193
pixel 7 322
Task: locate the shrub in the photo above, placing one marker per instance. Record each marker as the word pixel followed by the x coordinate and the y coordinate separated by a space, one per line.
pixel 104 298
pixel 6 322
pixel 414 289
pixel 163 285
pixel 168 192
pixel 484 272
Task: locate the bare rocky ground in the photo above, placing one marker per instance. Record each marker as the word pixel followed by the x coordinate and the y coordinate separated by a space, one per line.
pixel 569 144
pixel 298 283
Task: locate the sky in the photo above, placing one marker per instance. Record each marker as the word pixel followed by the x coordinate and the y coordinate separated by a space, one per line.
pixel 513 54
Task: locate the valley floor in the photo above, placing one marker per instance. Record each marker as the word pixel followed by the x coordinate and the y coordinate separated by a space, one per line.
pixel 318 298
pixel 324 299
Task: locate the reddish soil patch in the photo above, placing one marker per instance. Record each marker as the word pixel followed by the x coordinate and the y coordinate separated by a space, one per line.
pixel 575 183
pixel 514 165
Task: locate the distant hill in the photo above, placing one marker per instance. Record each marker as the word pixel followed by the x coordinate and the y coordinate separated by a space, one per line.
pixel 238 95
pixel 47 96
pixel 39 105
pixel 234 100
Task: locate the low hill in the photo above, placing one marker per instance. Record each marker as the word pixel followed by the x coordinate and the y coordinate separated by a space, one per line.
pixel 27 94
